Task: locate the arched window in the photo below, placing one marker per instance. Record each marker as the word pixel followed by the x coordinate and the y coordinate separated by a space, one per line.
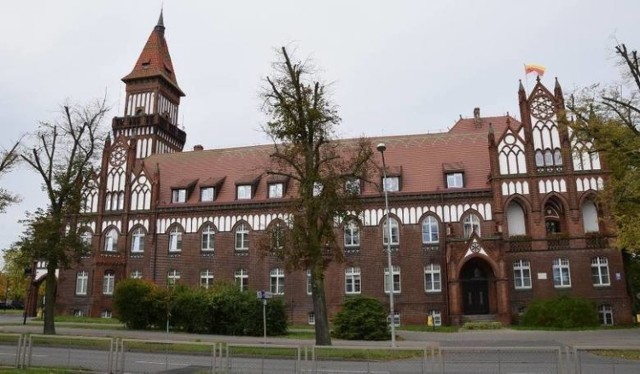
pixel 351 234
pixel 175 239
pixel 590 216
pixel 277 236
pixel 553 217
pixel 137 240
pixel 471 224
pixel 111 241
pixel 395 232
pixel 242 237
pixel 430 232
pixel 208 236
pixel 515 219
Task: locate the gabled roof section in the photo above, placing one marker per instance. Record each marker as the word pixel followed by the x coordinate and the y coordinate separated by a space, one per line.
pixel 480 125
pixel 155 60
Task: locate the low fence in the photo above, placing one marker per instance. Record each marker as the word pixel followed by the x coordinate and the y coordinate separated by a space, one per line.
pixel 115 355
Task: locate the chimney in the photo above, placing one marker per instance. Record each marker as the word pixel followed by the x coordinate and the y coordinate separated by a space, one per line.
pixel 476 116
pixel 198 147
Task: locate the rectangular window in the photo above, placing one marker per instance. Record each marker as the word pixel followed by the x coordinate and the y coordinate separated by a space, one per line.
pixel 277 281
pixel 309 286
pixel 136 274
pixel 311 318
pixel 207 194
pixel 206 278
pixel 242 238
pixel 432 278
pixel 351 234
pixel 522 274
pixel 561 273
pixel 244 192
pixel 82 279
pixel 317 188
pixel 396 279
pixel 241 277
pixel 455 180
pixel 600 271
pixel 352 281
pixel 352 186
pixel 391 184
pixel 276 190
pixel 175 240
pixel 179 196
pixel 108 283
pixel 395 232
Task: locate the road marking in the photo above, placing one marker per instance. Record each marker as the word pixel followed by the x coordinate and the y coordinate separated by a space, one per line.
pixel 160 363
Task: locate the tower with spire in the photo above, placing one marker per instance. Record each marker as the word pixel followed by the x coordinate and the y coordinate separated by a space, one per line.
pixel 150 118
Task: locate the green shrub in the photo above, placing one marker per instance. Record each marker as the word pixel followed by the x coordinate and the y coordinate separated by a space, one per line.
pixel 482 326
pixel 563 312
pixel 189 309
pixel 361 318
pixel 133 303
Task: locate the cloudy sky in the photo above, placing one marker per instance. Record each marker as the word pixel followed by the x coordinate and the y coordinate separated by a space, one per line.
pixel 395 67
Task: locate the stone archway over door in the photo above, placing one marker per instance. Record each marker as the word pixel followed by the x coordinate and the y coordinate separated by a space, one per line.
pixel 476 278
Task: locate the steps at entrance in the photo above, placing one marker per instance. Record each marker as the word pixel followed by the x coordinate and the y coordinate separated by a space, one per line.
pixel 480 318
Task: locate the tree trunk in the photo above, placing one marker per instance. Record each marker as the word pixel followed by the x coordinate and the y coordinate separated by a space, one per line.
pixel 323 335
pixel 49 301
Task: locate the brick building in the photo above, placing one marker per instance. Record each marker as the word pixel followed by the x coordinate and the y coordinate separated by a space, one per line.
pixel 484 217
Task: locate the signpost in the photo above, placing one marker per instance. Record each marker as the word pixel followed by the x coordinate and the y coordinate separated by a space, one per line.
pixel 264 295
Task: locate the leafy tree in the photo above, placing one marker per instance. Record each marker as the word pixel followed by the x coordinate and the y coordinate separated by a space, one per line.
pixel 609 116
pixel 361 318
pixel 301 125
pixel 62 153
pixel 15 262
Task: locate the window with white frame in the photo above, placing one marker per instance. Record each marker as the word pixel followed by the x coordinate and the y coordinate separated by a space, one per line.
pixel 175 239
pixel 309 285
pixel 396 279
pixel 561 273
pixel 351 234
pixel 436 317
pixel 391 184
pixel 136 274
pixel 206 278
pixel 396 319
pixel 106 314
pixel 179 195
pixel 395 232
pixel 208 236
pixel 455 180
pixel 605 315
pixel 86 237
pixel 111 241
pixel 353 186
pixel 352 281
pixel 277 281
pixel 82 280
pixel 471 224
pixel 277 236
pixel 276 190
pixel 242 237
pixel 241 277
pixel 108 282
pixel 600 271
pixel 173 277
pixel 243 191
pixel 137 240
pixel 207 194
pixel 430 232
pixel 311 318
pixel 432 278
pixel 522 274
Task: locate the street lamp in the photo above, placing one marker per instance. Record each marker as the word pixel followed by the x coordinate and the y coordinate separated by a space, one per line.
pixel 381 148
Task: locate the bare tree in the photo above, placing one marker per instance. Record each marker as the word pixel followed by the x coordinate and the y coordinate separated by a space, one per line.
pixel 63 154
pixel 326 173
pixel 9 158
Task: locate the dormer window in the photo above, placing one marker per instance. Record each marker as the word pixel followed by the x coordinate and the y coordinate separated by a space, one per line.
pixel 207 193
pixel 179 196
pixel 352 186
pixel 392 184
pixel 276 190
pixel 243 191
pixel 455 180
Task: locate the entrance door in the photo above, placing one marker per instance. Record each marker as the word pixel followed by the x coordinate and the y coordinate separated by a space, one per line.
pixel 474 278
pixel 476 296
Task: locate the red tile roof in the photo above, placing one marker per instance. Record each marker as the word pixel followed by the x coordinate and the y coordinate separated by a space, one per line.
pixel 421 158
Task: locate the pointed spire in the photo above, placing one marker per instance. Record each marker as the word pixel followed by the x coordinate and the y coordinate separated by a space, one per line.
pixel 155 60
pixel 521 88
pixel 160 20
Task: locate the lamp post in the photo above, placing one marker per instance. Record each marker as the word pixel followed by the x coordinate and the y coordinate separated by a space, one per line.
pixel 381 148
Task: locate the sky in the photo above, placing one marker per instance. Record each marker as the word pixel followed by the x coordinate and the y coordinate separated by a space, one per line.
pixel 393 67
